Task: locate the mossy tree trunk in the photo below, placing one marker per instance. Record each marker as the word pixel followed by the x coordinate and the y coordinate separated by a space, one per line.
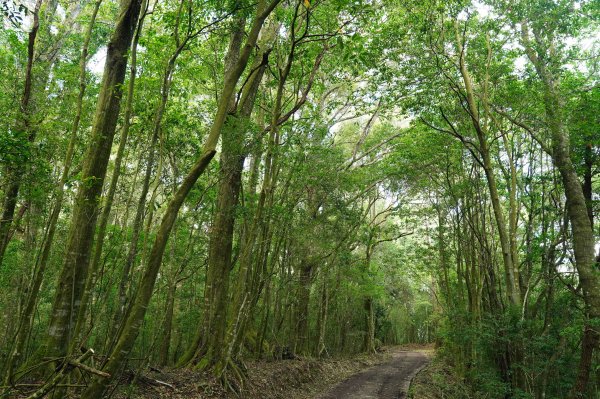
pixel 73 275
pixel 577 209
pixel 114 180
pixel 25 318
pixel 26 132
pixel 136 313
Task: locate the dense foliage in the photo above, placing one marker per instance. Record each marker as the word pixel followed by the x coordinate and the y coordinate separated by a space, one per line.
pixel 384 172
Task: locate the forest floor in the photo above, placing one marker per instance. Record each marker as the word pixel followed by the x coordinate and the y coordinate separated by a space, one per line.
pixel 391 370
pixel 438 380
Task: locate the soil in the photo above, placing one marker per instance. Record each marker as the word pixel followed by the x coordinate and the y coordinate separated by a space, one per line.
pixel 389 380
pixel 299 378
pixel 387 373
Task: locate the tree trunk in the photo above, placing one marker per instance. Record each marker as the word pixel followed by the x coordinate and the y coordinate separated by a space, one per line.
pixel 112 188
pixel 163 354
pixel 513 214
pixel 138 222
pixel 581 226
pixel 141 208
pixel 73 276
pixel 14 173
pixel 245 295
pixel 304 284
pixel 25 319
pixel 221 233
pixel 136 314
pixel 368 301
pixel 323 314
pixel 221 244
pixel 588 160
pixel 484 150
pixel 224 331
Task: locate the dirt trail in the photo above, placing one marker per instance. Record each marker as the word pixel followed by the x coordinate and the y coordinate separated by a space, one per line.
pixel 389 380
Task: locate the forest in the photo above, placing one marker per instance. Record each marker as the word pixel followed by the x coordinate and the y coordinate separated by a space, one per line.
pixel 205 185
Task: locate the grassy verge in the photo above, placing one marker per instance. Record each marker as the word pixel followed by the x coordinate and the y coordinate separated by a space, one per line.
pixel 438 381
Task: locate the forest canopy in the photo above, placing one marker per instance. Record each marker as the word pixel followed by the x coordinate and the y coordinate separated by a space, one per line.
pixel 194 184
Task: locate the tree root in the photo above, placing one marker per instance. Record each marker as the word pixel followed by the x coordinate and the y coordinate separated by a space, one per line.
pixel 232 376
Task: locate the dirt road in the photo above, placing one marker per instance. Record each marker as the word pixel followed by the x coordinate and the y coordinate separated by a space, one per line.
pixel 389 380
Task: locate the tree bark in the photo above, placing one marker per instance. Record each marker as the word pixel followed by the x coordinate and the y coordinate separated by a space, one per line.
pixel 484 150
pixel 581 226
pixel 112 187
pixel 323 314
pixel 14 173
pixel 163 354
pixel 135 315
pixel 71 283
pixel 25 319
pixel 305 277
pixel 220 246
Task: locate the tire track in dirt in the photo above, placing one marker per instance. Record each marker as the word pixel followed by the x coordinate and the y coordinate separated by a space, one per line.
pixel 389 380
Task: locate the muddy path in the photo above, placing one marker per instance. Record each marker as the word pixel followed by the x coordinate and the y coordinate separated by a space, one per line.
pixel 389 380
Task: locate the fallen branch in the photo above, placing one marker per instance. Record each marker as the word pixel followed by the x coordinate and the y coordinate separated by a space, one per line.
pixel 89 369
pixel 151 381
pixel 33 384
pixel 134 378
pixel 68 366
pixel 166 384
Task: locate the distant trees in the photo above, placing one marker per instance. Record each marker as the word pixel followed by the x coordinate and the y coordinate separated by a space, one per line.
pixel 511 124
